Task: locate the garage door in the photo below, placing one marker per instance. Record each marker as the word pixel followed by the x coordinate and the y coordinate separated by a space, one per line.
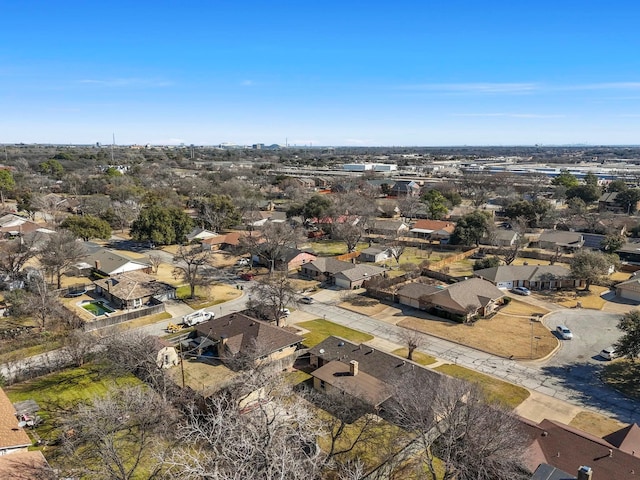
pixel 505 285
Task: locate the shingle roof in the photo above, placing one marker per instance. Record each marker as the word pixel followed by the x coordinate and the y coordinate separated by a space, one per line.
pixel 244 333
pixel 531 273
pixel 362 385
pixel 360 271
pixel 417 290
pixel 330 265
pixel 24 466
pixel 110 261
pixel 567 448
pixel 11 435
pixel 626 439
pixel 561 237
pixel 473 292
pixel 435 225
pixel 132 285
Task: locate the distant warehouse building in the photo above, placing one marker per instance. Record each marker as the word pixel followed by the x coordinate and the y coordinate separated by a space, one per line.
pixel 369 167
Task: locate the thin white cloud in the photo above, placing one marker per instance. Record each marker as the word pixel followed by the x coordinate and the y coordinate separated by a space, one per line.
pixel 508 115
pixel 247 83
pixel 126 82
pixel 490 88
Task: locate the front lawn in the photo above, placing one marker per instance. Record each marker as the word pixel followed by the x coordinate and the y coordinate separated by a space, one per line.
pixel 207 296
pixel 624 376
pixel 418 357
pixel 320 329
pixel 498 391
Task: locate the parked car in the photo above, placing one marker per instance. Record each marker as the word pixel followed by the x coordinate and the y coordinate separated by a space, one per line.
pixel 285 312
pixel 246 276
pixel 608 353
pixel 243 262
pixel 307 300
pixel 521 291
pixel 564 332
pixel 195 318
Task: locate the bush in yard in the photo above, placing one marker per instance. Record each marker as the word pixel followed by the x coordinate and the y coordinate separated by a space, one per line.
pixel 488 262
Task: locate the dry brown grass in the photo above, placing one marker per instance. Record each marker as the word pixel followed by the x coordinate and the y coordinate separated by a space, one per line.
pixel 508 334
pixel 570 298
pixel 595 424
pixel 201 376
pixel 364 305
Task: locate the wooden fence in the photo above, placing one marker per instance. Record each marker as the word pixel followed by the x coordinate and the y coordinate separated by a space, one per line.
pixel 123 317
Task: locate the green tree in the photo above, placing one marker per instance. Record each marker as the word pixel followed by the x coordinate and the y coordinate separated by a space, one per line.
pixel 611 243
pixel 318 206
pixel 588 193
pixel 591 179
pixel 629 344
pixel 161 225
pixel 87 227
pixel 7 183
pixel 51 167
pixel 471 228
pixel 436 204
pixel 629 199
pixel 591 266
pixel 565 179
pixel 533 213
pixel 618 185
pixel 487 262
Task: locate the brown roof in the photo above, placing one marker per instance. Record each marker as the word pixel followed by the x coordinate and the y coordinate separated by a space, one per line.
pixel 24 466
pixel 362 385
pixel 244 333
pixel 415 290
pixel 11 436
pixel 474 292
pixel 626 439
pixel 568 448
pixel 435 225
pixel 383 366
pixel 132 285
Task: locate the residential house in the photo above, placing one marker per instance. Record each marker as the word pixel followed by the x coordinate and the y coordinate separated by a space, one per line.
pixel 411 293
pixel 361 371
pixel 25 465
pixel 390 228
pixel 608 202
pixel 200 234
pixel 567 448
pixel 629 253
pixel 534 277
pixel 237 334
pixel 107 262
pixel 288 259
pixel 501 238
pixel 464 300
pixel 13 438
pixel 226 241
pixel 433 229
pixel 325 268
pixel 405 188
pixel 629 289
pixel 261 218
pixel 167 354
pixel 15 225
pixel 375 254
pixel 133 290
pixel 355 277
pixel 559 239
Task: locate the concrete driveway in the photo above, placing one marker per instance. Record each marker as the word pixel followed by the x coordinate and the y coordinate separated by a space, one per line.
pixel 592 331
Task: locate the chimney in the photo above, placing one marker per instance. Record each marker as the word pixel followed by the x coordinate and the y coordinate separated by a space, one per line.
pixel 353 368
pixel 584 473
pixel 97 264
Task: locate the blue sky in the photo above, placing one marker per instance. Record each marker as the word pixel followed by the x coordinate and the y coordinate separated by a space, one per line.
pixel 422 72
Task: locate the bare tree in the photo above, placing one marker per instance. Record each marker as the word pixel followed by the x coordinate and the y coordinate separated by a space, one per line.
pixel 457 431
pixel 43 304
pixel 413 340
pixel 351 217
pixel 272 242
pixel 155 260
pixel 79 346
pixel 409 206
pixel 271 295
pixel 119 436
pixel 125 212
pixel 14 254
pixel 60 253
pixel 189 263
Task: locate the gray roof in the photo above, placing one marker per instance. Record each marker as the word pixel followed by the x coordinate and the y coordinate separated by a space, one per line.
pixel 360 271
pixel 374 250
pixel 415 290
pixel 329 265
pixel 531 273
pixel 109 261
pixel 609 197
pixel 561 237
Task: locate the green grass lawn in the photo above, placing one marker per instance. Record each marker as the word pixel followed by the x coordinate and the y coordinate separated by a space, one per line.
pixel 333 247
pixel 418 357
pixel 496 390
pixel 321 329
pixel 59 392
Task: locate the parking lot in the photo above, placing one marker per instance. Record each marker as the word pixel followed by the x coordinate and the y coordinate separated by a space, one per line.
pixel 592 331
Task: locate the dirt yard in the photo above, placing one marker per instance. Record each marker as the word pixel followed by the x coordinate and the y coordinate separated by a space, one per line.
pixel 201 376
pixel 509 334
pixel 570 298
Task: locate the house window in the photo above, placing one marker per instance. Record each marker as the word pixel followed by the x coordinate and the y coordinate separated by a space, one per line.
pixel 137 302
pixel 322 384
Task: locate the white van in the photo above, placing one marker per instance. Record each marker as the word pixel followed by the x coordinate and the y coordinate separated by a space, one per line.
pixel 195 318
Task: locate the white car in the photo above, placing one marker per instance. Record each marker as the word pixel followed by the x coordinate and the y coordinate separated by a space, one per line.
pixel 521 291
pixel 307 300
pixel 564 333
pixel 243 262
pixel 608 353
pixel 195 318
pixel 285 312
